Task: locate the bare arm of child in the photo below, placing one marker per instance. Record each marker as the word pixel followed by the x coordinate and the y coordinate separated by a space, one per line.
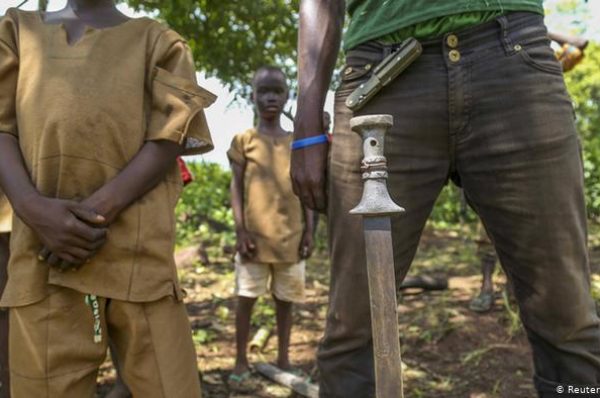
pixel 143 173
pixel 307 243
pixel 245 245
pixel 71 230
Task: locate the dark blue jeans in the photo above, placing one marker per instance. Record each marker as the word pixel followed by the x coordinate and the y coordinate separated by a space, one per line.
pixel 494 116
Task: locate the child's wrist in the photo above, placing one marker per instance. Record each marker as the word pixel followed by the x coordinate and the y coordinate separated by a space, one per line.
pixel 27 207
pixel 105 205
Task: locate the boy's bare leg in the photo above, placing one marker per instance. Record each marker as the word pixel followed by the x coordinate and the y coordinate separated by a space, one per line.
pixel 242 332
pixel 284 329
pixel 485 300
pixel 4 373
pixel 488 264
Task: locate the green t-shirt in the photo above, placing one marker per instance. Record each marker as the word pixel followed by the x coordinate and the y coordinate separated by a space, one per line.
pixel 389 20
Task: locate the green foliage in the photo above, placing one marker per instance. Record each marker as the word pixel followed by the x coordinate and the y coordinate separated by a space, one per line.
pixel 511 314
pixel 584 86
pixel 203 212
pixel 203 336
pixel 451 209
pixel 231 39
pixel 263 313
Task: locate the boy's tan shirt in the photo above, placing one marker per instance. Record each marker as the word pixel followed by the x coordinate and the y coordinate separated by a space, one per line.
pixel 5 214
pixel 81 112
pixel 272 212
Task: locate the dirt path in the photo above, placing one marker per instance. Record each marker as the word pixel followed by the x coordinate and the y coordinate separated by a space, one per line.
pixel 449 351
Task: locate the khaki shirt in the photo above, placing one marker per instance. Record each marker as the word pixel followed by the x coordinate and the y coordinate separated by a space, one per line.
pixel 81 112
pixel 5 214
pixel 272 212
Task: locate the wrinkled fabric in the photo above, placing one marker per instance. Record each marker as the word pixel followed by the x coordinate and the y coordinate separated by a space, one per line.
pixel 272 212
pixel 376 19
pixel 153 342
pixel 81 112
pixel 284 281
pixel 500 122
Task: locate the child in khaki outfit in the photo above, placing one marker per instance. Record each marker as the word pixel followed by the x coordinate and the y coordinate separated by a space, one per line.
pixel 271 240
pixel 94 110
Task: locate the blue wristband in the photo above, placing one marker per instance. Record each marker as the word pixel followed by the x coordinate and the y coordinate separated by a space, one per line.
pixel 304 142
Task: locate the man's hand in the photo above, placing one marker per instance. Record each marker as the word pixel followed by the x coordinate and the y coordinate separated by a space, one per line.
pixel 308 165
pixel 69 231
pixel 306 245
pixel 245 244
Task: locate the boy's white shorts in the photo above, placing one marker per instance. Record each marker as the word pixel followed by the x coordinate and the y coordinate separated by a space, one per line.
pixel 284 281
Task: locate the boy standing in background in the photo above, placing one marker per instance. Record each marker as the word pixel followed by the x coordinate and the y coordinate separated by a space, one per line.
pixel 271 242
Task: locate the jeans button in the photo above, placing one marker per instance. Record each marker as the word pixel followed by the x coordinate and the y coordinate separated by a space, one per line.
pixel 454 55
pixel 452 41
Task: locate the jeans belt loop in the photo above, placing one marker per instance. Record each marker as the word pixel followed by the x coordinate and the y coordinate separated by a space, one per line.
pixel 504 38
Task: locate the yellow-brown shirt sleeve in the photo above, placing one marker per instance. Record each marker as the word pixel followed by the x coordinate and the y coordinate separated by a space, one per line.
pixel 236 153
pixel 177 111
pixel 9 71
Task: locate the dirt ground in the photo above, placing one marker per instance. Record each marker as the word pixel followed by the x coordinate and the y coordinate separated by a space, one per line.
pixel 448 350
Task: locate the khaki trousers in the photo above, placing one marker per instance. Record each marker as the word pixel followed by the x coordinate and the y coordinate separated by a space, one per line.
pixel 53 352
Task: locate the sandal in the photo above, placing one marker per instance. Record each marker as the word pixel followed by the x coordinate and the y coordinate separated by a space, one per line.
pixel 242 383
pixel 482 303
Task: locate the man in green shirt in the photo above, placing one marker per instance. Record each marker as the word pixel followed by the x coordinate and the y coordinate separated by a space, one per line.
pixel 485 105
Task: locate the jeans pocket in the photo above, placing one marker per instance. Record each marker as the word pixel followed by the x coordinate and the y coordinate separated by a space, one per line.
pixel 540 56
pixel 359 66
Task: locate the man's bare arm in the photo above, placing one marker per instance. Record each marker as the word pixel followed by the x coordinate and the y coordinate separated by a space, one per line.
pixel 318 45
